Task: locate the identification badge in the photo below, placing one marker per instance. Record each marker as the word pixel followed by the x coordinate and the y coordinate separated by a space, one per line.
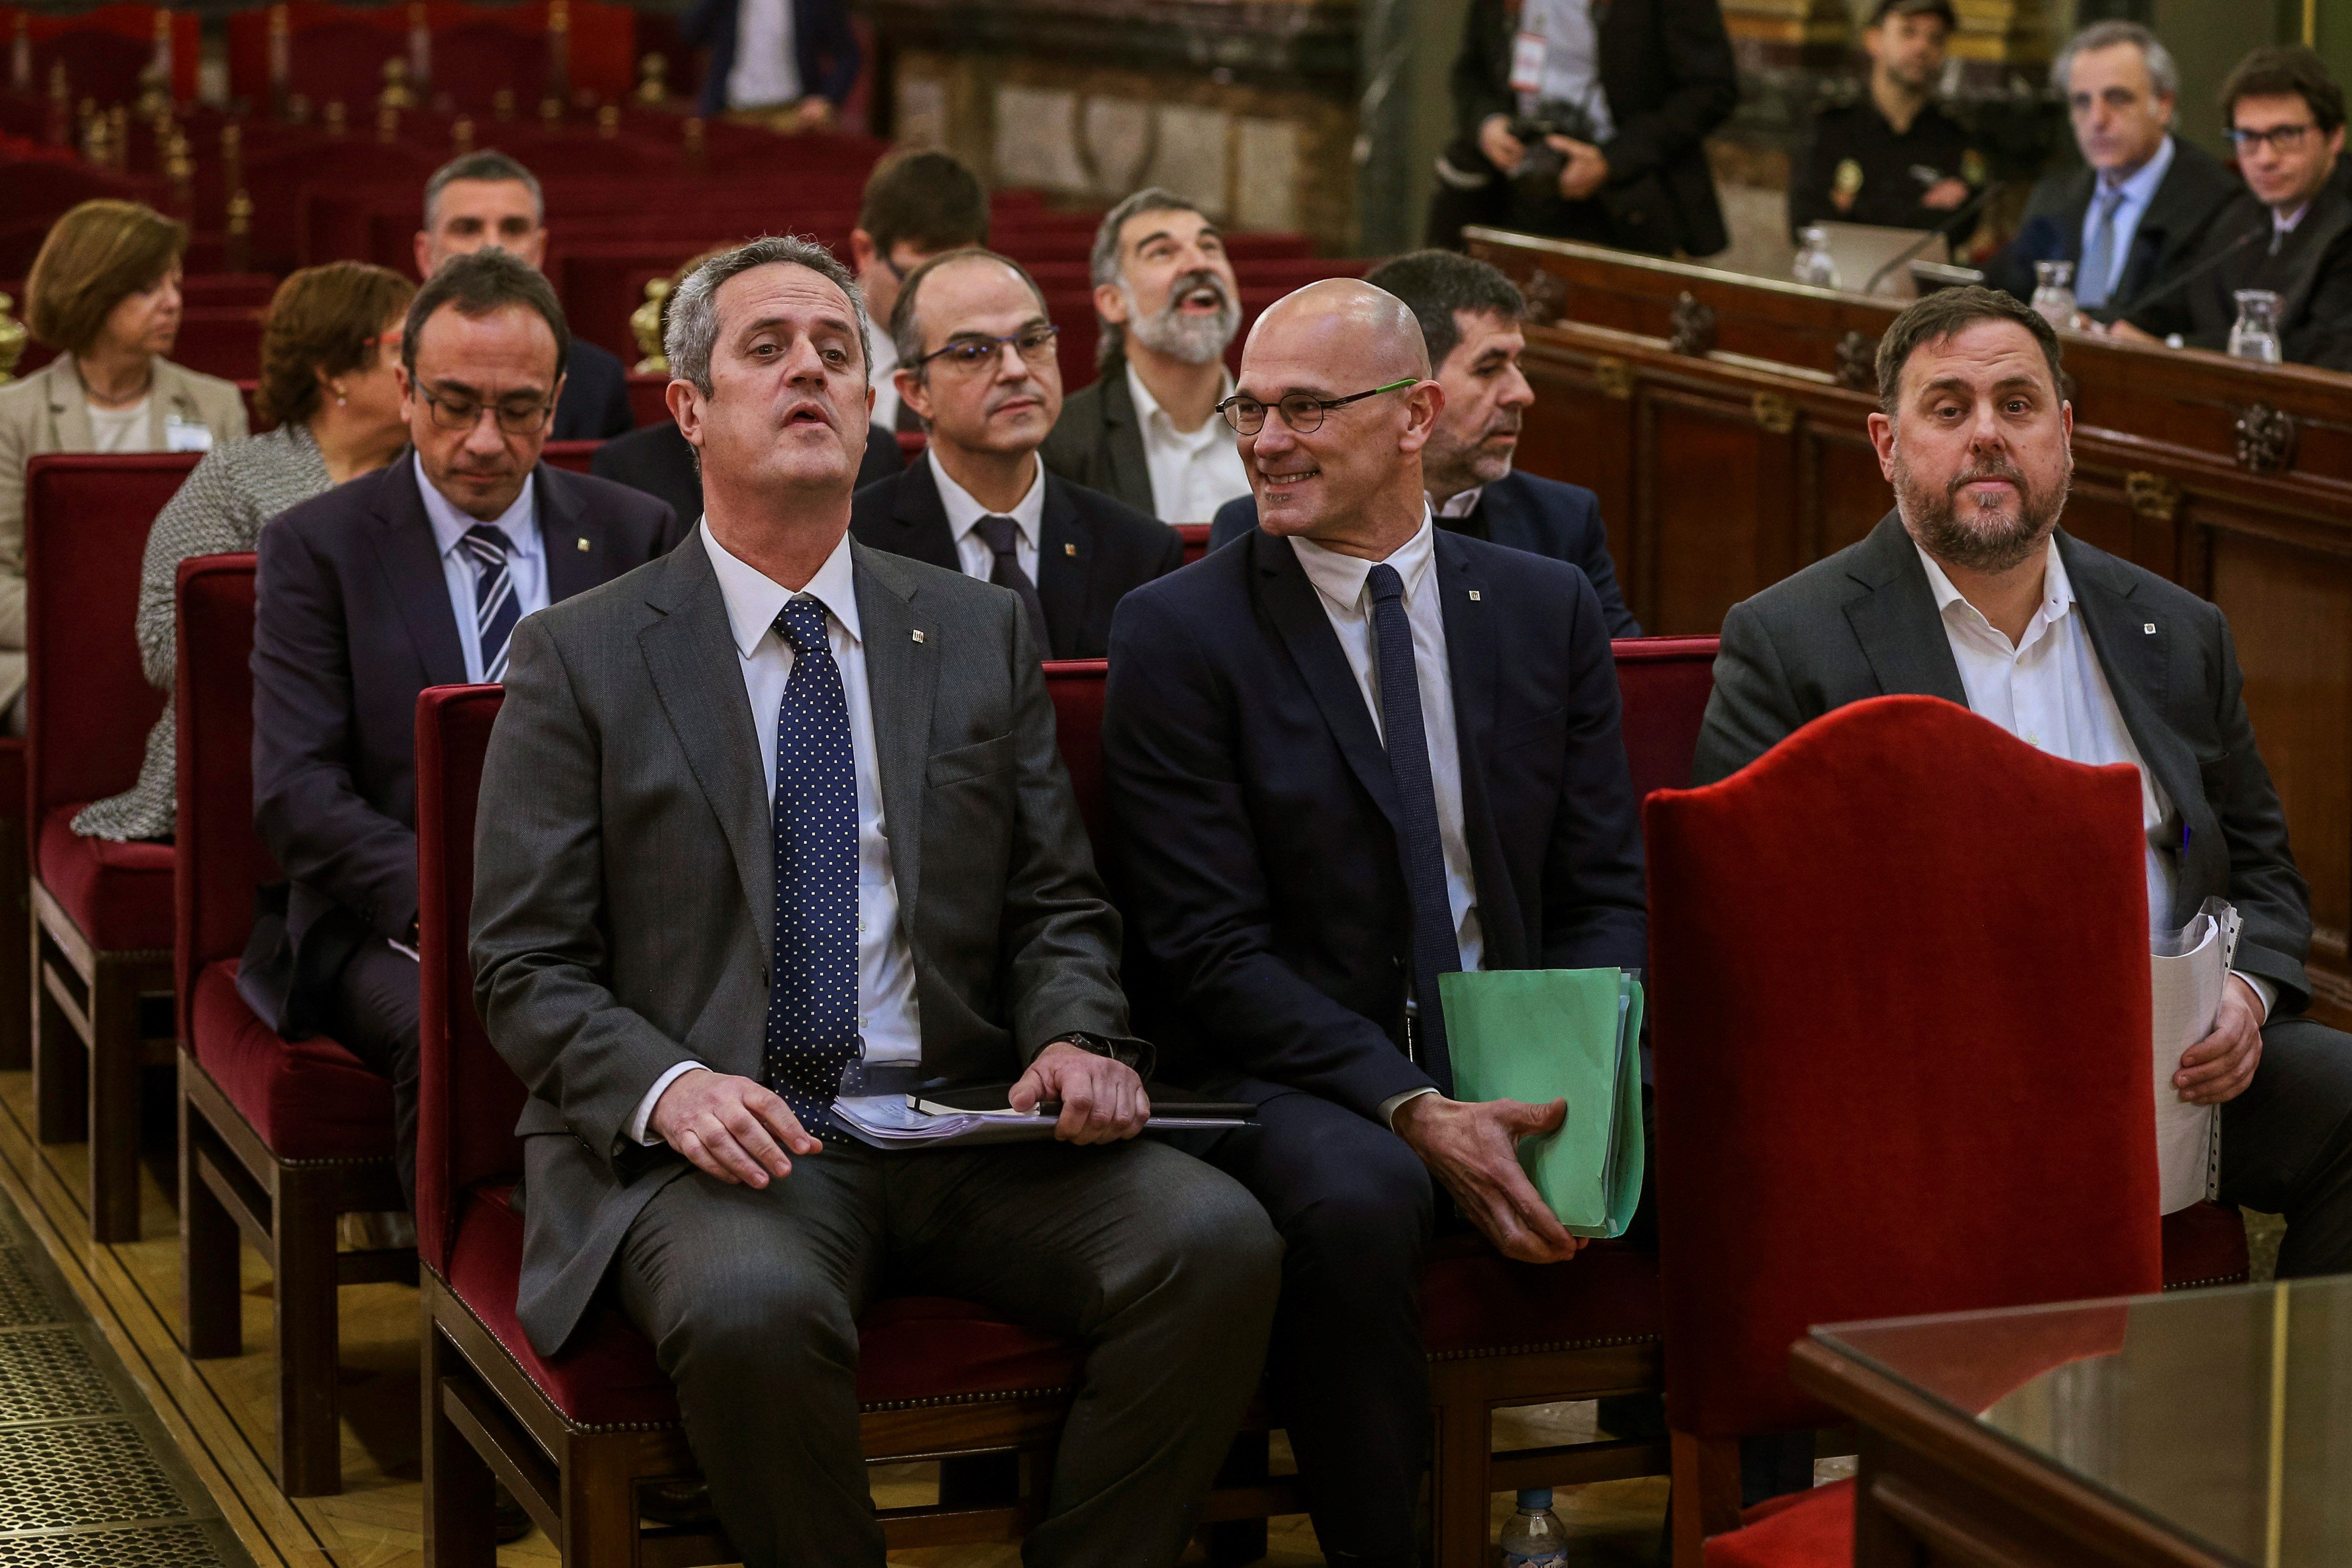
pixel 1527 62
pixel 186 435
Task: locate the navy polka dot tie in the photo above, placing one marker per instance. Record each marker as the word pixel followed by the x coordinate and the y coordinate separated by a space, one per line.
pixel 1435 948
pixel 813 1003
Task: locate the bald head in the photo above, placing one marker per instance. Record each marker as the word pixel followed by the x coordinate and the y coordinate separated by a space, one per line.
pixel 1344 315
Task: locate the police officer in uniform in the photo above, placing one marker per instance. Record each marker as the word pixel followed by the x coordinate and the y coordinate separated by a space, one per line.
pixel 1889 156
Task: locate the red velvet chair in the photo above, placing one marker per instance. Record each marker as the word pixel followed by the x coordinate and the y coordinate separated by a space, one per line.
pixel 101 943
pixel 1891 1080
pixel 15 915
pixel 1663 684
pixel 277 1138
pixel 1196 539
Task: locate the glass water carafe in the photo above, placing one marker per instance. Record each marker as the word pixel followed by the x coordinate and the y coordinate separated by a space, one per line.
pixel 2053 292
pixel 2255 333
pixel 1814 264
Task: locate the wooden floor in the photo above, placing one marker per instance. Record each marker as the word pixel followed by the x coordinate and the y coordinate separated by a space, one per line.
pixel 219 1413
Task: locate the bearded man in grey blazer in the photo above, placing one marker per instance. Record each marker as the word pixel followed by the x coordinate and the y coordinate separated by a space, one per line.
pixel 777 806
pixel 1968 590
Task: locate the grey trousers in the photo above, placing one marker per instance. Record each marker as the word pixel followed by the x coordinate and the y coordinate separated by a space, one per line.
pixel 1166 1270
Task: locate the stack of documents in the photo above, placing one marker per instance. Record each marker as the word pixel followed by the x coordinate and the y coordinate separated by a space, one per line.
pixel 971 1115
pixel 2188 970
pixel 1541 1034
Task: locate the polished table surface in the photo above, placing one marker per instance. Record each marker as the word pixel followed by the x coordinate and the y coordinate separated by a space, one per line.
pixel 2222 1417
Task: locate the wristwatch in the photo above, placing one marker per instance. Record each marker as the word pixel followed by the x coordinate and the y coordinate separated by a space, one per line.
pixel 1126 1050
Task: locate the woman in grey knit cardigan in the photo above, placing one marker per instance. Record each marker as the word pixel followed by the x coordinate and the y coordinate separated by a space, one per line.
pixel 328 347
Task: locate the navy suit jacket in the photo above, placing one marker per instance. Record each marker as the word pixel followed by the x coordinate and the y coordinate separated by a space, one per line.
pixel 595 402
pixel 2186 201
pixel 1091 551
pixel 826 50
pixel 1252 811
pixel 351 620
pixel 1520 512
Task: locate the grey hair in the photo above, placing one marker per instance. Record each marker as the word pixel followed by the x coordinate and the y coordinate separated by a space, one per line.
pixel 1103 265
pixel 693 313
pixel 2162 72
pixel 489 163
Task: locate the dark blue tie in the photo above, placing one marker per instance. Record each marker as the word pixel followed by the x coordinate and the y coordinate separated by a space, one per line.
pixel 1435 950
pixel 495 608
pixel 812 1004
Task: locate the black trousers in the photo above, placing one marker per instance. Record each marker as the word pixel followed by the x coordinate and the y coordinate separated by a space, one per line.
pixel 373 1015
pixel 2287 1144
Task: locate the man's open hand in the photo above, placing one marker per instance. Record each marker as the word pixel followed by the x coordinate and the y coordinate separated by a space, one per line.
pixel 1586 170
pixel 1502 149
pixel 1102 1101
pixel 731 1127
pixel 2219 1067
pixel 1472 1148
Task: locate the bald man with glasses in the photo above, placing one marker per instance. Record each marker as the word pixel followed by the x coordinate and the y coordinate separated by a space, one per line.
pixel 1345 755
pixel 976 361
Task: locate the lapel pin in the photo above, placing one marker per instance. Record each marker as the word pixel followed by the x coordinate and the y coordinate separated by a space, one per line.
pixel 583 544
pixel 1069 550
pixel 919 636
pixel 2148 627
pixel 1474 595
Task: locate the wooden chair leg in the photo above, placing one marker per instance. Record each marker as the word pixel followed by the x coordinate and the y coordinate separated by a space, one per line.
pixel 310 1439
pixel 599 1494
pixel 1459 1455
pixel 211 1321
pixel 116 1055
pixel 1232 1541
pixel 60 1073
pixel 1706 1492
pixel 460 1527
pixel 16 951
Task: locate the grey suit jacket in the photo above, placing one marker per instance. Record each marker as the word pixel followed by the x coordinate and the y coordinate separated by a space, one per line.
pixel 624 886
pixel 1098 442
pixel 1863 623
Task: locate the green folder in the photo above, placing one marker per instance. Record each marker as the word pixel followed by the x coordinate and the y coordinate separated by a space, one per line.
pixel 1541 1034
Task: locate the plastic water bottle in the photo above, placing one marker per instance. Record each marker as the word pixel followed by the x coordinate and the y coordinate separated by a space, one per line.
pixel 1532 1538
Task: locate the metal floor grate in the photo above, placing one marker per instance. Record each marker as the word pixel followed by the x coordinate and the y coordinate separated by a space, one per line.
pixel 46 1375
pixel 81 1472
pixel 22 1300
pixel 165 1546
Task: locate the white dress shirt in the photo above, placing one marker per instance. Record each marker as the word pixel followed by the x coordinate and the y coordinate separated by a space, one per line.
pixel 1192 472
pixel 1462 503
pixel 2049 691
pixel 888 1023
pixel 2135 191
pixel 1028 515
pixel 767 68
pixel 526 561
pixel 884 377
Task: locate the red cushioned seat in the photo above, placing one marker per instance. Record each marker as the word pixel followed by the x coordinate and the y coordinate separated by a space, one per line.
pixel 2204 1244
pixel 119 894
pixel 1476 1301
pixel 1807 1530
pixel 307 1099
pixel 912 1348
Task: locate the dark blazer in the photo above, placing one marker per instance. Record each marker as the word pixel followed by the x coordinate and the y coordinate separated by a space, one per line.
pixel 623 918
pixel 1863 623
pixel 1667 71
pixel 1252 811
pixel 2313 274
pixel 2187 200
pixel 352 620
pixel 1091 551
pixel 595 402
pixel 1519 512
pixel 826 49
pixel 1098 440
pixel 659 460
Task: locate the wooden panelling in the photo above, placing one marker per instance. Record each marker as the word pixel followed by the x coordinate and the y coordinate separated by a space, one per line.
pixel 1723 422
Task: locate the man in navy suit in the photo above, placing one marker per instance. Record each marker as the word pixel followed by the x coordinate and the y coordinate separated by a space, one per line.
pixel 412 576
pixel 797 56
pixel 1469 316
pixel 976 363
pixel 1350 754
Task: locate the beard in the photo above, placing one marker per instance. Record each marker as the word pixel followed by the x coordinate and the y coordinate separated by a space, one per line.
pixel 1455 466
pixel 1974 536
pixel 1191 340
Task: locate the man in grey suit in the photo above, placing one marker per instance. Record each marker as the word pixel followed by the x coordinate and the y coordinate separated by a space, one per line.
pixel 778 804
pixel 1969 591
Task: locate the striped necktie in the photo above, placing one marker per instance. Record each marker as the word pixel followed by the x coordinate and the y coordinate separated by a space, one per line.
pixel 495 608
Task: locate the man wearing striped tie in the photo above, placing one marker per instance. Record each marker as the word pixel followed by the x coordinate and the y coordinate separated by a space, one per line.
pixel 412 576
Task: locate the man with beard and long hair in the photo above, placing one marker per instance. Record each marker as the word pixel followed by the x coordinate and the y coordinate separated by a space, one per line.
pixel 1470 319
pixel 1971 591
pixel 1146 430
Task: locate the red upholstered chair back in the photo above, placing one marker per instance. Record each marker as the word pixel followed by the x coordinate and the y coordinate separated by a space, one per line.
pixel 1663 684
pixel 89 705
pixel 1196 539
pixel 218 858
pixel 1076 687
pixel 573 457
pixel 468 1098
pixel 1900 1004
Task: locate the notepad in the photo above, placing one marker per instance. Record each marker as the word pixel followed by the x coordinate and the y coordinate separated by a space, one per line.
pixel 2188 970
pixel 1541 1034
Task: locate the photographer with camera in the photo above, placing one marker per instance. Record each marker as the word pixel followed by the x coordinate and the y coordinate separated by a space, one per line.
pixel 1584 119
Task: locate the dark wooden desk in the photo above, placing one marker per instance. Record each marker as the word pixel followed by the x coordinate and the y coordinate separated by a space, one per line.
pixel 2202 1429
pixel 1722 420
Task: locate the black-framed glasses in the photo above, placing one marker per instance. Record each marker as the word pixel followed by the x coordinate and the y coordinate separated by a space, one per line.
pixel 516 418
pixel 1302 412
pixel 1034 344
pixel 2282 138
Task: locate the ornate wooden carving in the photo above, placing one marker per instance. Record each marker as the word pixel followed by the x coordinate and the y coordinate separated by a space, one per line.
pixel 2266 440
pixel 1614 376
pixel 1774 412
pixel 2152 496
pixel 1857 361
pixel 1545 296
pixel 1693 327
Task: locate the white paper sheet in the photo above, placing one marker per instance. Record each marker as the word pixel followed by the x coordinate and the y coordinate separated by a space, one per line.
pixel 2188 996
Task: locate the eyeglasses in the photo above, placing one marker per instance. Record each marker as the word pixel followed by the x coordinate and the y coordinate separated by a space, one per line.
pixel 2282 138
pixel 1302 413
pixel 966 355
pixel 514 418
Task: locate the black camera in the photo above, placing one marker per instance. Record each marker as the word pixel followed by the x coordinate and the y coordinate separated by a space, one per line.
pixel 1537 175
